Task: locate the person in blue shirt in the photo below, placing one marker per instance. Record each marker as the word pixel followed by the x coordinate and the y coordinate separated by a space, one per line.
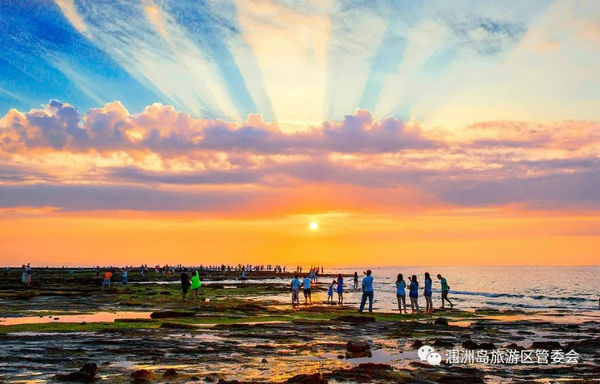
pixel 340 289
pixel 427 293
pixel 307 298
pixel 295 291
pixel 330 292
pixel 367 288
pixel 414 294
pixel 401 293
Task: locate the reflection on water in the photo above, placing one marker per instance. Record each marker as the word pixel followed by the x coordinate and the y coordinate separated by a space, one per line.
pixel 95 317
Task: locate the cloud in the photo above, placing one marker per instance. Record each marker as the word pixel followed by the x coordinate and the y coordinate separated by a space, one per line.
pixel 163 130
pixel 163 159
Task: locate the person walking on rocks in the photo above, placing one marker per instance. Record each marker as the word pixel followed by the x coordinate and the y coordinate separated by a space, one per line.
pixel 445 289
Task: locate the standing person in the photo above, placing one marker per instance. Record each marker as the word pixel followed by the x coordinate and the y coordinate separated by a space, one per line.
pixel 401 293
pixel 427 293
pixel 295 291
pixel 445 289
pixel 355 281
pixel 195 285
pixel 340 289
pixel 367 288
pixel 23 274
pixel 124 278
pixel 330 292
pixel 243 277
pixel 106 281
pixel 28 274
pixel 307 297
pixel 414 294
pixel 185 285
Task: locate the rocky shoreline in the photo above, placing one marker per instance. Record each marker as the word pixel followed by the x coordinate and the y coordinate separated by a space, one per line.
pixel 231 336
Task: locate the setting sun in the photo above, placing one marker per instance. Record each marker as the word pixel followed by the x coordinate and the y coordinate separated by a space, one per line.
pixel 314 225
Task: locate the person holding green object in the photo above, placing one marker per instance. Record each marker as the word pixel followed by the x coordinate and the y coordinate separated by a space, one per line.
pixel 195 287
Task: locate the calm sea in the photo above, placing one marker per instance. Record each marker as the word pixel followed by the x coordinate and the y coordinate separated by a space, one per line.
pixel 534 288
pixel 525 288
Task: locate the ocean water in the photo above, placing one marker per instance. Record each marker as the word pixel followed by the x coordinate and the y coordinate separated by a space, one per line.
pixel 574 289
pixel 524 288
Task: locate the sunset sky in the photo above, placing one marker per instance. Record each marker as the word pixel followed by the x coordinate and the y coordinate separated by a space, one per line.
pixel 216 131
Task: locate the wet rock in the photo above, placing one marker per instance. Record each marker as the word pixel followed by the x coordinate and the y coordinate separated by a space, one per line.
pixel 355 346
pixel 487 346
pixel 315 378
pixel 441 321
pixel 171 314
pixel 167 324
pixel 457 375
pixel 469 344
pixel 356 319
pixel 166 293
pixel 443 343
pixel 417 344
pixel 513 346
pixel 169 373
pixel 548 345
pixel 591 346
pixel 142 376
pixel 264 361
pixel 86 374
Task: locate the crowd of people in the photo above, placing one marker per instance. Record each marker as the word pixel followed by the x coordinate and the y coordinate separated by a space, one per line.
pixel 190 282
pixel 368 292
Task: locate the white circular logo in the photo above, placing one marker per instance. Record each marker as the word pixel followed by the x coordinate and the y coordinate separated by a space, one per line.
pixel 424 351
pixel 434 358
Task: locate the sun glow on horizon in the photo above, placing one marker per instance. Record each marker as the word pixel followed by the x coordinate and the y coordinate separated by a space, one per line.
pixel 313 225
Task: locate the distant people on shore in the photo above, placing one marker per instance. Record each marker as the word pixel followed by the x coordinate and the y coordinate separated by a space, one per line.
pixel 26 274
pixel 355 281
pixel 106 280
pixel 295 286
pixel 367 288
pixel 414 294
pixel 445 289
pixel 401 293
pixel 340 289
pixel 124 277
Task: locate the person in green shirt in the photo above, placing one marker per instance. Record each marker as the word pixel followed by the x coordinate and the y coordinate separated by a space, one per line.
pixel 445 289
pixel 195 285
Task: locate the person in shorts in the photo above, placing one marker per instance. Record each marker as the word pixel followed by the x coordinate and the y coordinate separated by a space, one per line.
pixel 445 289
pixel 106 281
pixel 307 298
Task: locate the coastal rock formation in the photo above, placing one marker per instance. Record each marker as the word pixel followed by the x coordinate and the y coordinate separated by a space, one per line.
pixel 86 374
